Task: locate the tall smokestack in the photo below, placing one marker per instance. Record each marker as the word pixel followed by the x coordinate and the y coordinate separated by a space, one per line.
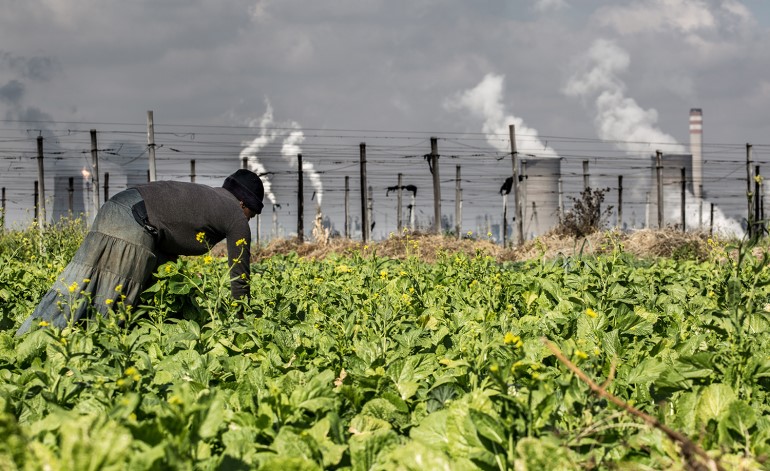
pixel 696 149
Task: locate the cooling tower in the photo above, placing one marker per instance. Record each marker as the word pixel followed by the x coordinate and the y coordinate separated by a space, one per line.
pixel 540 195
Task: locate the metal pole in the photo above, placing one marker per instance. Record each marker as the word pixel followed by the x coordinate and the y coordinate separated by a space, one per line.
pixel 516 195
pixel 659 173
pixel 436 185
pixel 41 179
pixel 399 202
pixel 684 200
pixel 192 171
pixel 347 207
pixel 620 201
pixel 505 220
pixel 151 145
pixel 106 186
pixel 364 215
pixel 458 203
pixel 2 216
pixel 757 193
pixel 36 214
pixel 749 193
pixel 300 201
pixel 370 209
pixel 95 168
pixel 70 195
pixel 586 183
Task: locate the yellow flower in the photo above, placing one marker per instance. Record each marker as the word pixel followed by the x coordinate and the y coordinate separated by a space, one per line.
pixel 43 324
pixel 510 338
pixel 470 233
pixel 240 242
pixel 591 313
pixel 118 288
pixel 130 371
pixel 207 259
pixel 580 354
pixel 342 269
pixel 384 274
pixel 489 234
pixel 73 287
pixel 86 280
pixel 108 302
pixel 200 237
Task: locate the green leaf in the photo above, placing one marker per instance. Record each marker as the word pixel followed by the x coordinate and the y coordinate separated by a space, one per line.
pixel 487 426
pixel 714 400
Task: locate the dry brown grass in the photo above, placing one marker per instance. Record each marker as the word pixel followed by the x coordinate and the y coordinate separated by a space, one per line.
pixel 642 243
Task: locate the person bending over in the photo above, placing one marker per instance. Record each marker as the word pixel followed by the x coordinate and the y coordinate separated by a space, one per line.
pixel 141 228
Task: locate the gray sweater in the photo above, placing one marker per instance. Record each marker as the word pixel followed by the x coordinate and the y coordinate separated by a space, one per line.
pixel 181 210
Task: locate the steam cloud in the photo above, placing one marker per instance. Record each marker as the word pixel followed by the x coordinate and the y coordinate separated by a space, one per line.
pixel 621 119
pixel 485 101
pixel 617 117
pixel 292 139
pixel 266 136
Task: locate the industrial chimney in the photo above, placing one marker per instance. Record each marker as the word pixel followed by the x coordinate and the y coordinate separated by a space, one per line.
pixel 696 149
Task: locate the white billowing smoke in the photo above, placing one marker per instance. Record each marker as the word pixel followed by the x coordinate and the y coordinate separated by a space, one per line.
pixel 270 133
pixel 485 101
pixel 291 148
pixel 266 136
pixel 618 118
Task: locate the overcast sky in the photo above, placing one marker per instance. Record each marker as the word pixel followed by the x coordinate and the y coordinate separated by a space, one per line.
pixel 610 70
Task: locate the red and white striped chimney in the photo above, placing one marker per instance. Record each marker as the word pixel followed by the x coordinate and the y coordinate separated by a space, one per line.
pixel 696 149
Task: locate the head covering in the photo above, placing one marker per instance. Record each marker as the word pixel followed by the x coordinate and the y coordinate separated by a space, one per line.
pixel 247 187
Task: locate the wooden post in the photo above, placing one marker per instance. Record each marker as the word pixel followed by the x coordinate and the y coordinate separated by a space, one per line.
pixel 620 201
pixel 413 212
pixel 516 195
pixel 36 214
pixel 2 216
pixel 275 222
pixel 749 193
pixel 370 209
pixel 41 178
pixel 347 207
pixel 151 145
pixel 436 185
pixel 364 215
pixel 586 183
pixel 70 194
pixel 757 193
pixel 505 221
pixel 399 202
pixel 95 170
pixel 659 176
pixel 192 171
pixel 684 200
pixel 458 204
pixel 106 186
pixel 300 201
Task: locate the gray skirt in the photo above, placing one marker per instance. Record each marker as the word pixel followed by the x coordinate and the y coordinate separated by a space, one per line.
pixel 113 265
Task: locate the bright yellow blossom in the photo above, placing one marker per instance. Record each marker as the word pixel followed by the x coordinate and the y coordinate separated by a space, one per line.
pixel 591 313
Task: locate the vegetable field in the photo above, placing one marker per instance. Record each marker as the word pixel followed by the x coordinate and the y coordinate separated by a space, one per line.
pixel 362 362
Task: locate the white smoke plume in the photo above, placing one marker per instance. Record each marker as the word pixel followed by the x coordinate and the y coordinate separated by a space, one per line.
pixel 266 136
pixel 291 148
pixel 618 118
pixel 695 209
pixel 485 101
pixel 292 139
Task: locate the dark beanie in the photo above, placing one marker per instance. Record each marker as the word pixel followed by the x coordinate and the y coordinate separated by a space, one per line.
pixel 247 187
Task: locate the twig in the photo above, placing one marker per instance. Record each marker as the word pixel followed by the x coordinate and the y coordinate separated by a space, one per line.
pixel 690 449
